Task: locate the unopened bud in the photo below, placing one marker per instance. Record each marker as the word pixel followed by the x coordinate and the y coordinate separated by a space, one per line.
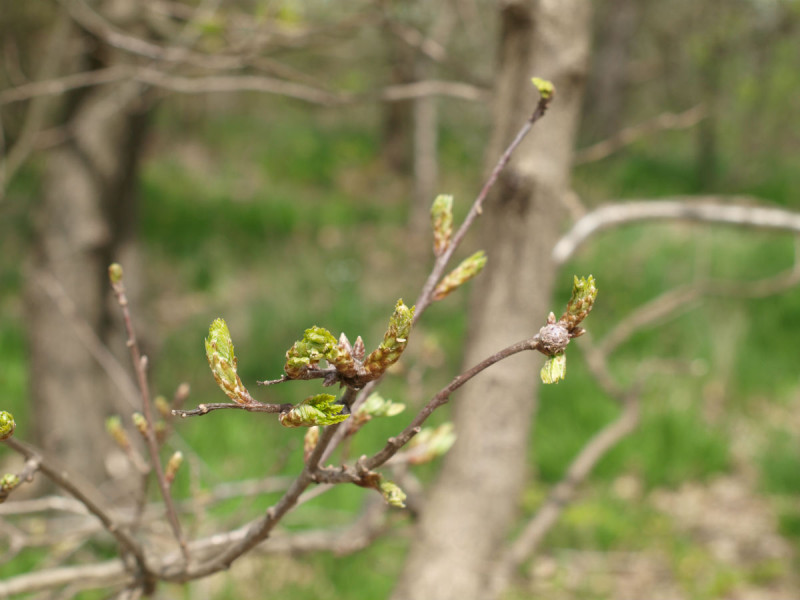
pixel 173 464
pixel 115 273
pixel 7 425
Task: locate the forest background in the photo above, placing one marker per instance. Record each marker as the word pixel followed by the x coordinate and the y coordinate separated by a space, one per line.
pixel 279 212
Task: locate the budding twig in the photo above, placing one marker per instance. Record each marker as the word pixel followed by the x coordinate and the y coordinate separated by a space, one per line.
pixel 115 275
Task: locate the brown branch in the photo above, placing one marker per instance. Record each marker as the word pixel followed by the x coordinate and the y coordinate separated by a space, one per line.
pixel 426 296
pixel 147 409
pixel 204 409
pixel 579 469
pixel 670 302
pixel 629 135
pixel 60 85
pixel 393 444
pixel 346 540
pixel 61 478
pixel 727 210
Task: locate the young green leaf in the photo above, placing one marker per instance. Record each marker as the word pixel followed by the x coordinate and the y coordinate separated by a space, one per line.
pixel 394 341
pixel 223 363
pixel 392 493
pixel 555 369
pixel 431 443
pixel 317 344
pixel 468 269
pixel 546 88
pixel 584 293
pixel 314 410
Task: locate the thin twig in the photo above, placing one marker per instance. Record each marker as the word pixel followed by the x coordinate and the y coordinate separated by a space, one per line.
pixel 62 479
pixel 204 409
pixel 147 409
pixel 426 296
pixel 629 135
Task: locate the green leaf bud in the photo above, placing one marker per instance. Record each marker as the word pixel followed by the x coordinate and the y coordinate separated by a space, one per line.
pixel 394 341
pixel 162 406
pixel 117 432
pixel 584 293
pixel 7 425
pixel 392 493
pixel 310 441
pixel 317 344
pixel 546 88
pixel 173 464
pixel 314 410
pixel 140 423
pixel 431 443
pixel 378 406
pixel 223 362
pixel 442 218
pixel 374 406
pixel 8 482
pixel 468 269
pixel 555 369
pixel 115 273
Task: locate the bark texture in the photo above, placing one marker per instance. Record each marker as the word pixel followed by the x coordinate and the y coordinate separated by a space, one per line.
pixel 472 505
pixel 84 220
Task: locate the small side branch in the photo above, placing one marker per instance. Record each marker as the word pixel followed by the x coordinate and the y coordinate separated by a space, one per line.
pixel 64 481
pixel 629 135
pixel 139 365
pixel 426 296
pixel 204 409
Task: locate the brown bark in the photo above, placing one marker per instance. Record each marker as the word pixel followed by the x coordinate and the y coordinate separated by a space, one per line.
pixel 474 501
pixel 85 219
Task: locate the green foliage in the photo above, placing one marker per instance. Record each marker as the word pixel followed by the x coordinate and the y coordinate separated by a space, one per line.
pixel 314 410
pixel 780 464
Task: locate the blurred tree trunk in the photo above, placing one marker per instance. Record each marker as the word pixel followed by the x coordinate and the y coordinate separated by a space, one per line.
pixel 607 89
pixel 85 219
pixel 472 505
pixel 397 116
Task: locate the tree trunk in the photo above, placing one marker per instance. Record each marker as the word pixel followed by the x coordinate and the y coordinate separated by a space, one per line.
pixel 473 503
pixel 86 217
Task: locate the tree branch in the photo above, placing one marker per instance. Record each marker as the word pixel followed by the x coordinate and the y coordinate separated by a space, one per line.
pixel 139 364
pixel 629 135
pixel 708 209
pixel 61 478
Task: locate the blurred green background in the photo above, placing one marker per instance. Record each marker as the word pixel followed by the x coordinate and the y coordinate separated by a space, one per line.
pixel 278 217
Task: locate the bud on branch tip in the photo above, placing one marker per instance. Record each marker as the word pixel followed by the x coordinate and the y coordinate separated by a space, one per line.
pixel 222 360
pixel 468 269
pixel 394 340
pixel 115 273
pixel 442 218
pixel 546 88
